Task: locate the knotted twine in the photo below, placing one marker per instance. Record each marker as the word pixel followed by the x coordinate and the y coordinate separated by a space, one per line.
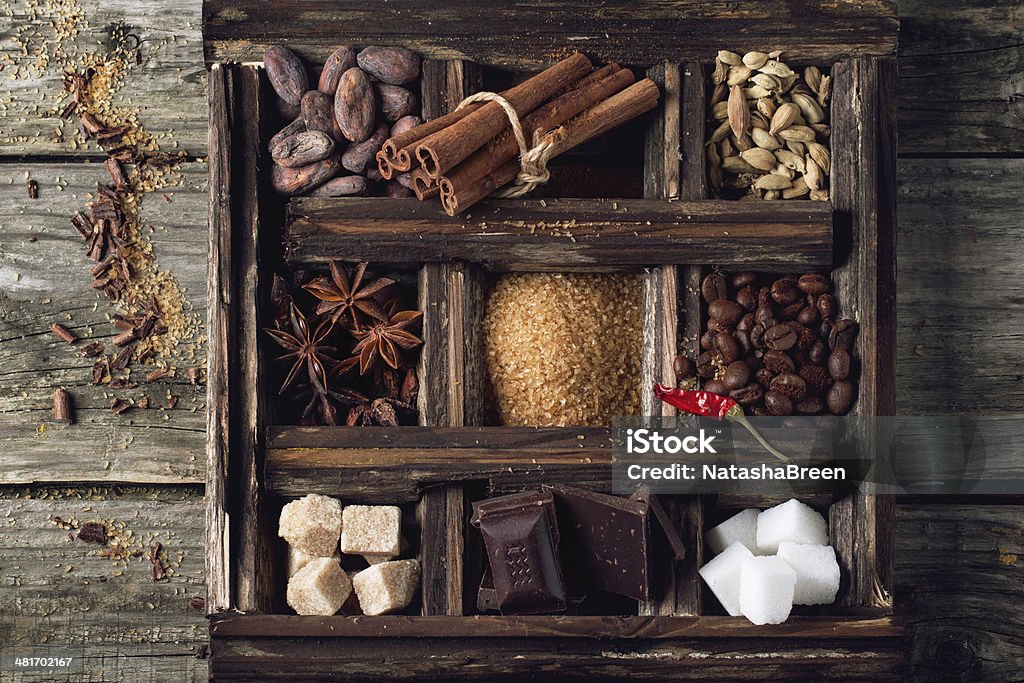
pixel 533 161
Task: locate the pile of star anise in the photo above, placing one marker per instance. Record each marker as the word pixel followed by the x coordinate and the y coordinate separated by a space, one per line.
pixel 357 315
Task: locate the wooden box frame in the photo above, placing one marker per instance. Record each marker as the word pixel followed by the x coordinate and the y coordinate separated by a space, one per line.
pixel 673 234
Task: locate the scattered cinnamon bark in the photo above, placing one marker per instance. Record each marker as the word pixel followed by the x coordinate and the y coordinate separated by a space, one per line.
pixel 64 333
pixel 62 406
pixel 119 406
pixel 93 532
pixel 33 189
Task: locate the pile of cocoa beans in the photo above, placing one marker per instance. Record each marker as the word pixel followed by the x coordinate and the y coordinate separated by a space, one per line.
pixel 339 126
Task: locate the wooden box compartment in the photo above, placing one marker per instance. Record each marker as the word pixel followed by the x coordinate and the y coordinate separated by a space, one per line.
pixel 671 235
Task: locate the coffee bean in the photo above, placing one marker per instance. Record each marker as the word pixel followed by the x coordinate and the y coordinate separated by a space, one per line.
pixel 825 330
pixel 814 283
pixel 755 362
pixel 812 405
pixel 826 304
pixel 779 362
pixel 746 323
pixel 791 311
pixel 765 315
pixel 716 326
pixel 726 347
pixel 737 374
pixel 784 291
pixel 743 340
pixel 764 376
pixel 683 367
pixel 705 365
pixel 764 296
pixel 747 298
pixel 807 316
pixel 791 385
pixel 780 337
pixel 840 398
pixel 778 403
pixel 725 311
pixel 760 411
pixel 716 386
pixel 707 340
pixel 817 352
pixel 748 395
pixel 743 279
pixel 757 336
pixel 839 364
pixel 816 377
pixel 714 288
pixel 842 335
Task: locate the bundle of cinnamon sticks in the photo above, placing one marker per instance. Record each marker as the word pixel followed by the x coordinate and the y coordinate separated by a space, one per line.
pixel 472 152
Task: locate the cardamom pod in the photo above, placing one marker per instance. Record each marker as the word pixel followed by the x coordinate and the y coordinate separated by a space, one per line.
pixel 819 195
pixel 783 171
pixel 796 147
pixel 758 120
pixel 755 92
pixel 775 68
pixel 720 132
pixel 755 60
pixel 809 107
pixel 760 159
pixel 719 93
pixel 720 72
pixel 720 111
pixel 739 115
pixel 737 165
pixel 784 117
pixel 824 89
pixel 797 133
pixel 822 129
pixel 743 142
pixel 738 75
pixel 730 58
pixel 764 139
pixel 812 76
pixel 714 167
pixel 767 81
pixel 766 106
pixel 771 195
pixel 772 182
pixel 822 157
pixel 812 175
pixel 799 189
pixel 790 160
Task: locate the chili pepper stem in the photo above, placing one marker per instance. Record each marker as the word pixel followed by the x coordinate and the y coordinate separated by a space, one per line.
pixel 736 415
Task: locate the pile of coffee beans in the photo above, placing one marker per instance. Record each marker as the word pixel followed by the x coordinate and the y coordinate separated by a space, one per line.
pixel 775 345
pixel 337 126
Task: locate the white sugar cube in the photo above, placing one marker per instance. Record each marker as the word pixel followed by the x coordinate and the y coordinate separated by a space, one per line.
pixel 298 559
pixel 766 590
pixel 817 572
pixel 722 575
pixel 372 530
pixel 386 587
pixel 320 588
pixel 791 521
pixel 740 527
pixel 312 524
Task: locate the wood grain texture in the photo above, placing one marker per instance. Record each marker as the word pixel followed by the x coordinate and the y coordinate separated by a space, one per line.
pixel 641 33
pixel 44 279
pixel 59 595
pixel 167 90
pixel 959 306
pixel 568 234
pixel 961 80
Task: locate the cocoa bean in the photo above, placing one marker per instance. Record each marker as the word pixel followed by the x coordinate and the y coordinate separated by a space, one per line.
pixel 361 154
pixel 340 61
pixel 354 106
pixel 286 73
pixel 302 149
pixel 405 124
pixel 318 113
pixel 296 126
pixel 292 181
pixel 395 101
pixel 345 186
pixel 394 190
pixel 394 65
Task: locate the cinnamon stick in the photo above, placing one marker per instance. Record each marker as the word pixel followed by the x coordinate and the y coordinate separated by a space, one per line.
pixel 423 185
pixel 440 152
pixel 599 119
pixel 488 159
pixel 62 406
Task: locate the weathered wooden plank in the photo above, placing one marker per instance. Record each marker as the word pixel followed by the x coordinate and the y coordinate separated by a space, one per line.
pixel 959 586
pixel 960 297
pixel 644 33
pixel 961 80
pixel 167 91
pixel 60 595
pixel 564 234
pixel 44 278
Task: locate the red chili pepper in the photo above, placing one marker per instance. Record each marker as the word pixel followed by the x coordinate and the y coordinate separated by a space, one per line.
pixel 706 404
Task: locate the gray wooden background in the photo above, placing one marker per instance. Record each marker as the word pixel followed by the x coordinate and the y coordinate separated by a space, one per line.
pixel 960 566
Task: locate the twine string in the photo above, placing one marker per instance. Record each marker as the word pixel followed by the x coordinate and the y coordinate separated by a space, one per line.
pixel 533 160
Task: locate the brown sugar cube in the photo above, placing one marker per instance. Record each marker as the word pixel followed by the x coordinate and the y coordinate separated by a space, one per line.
pixel 386 587
pixel 372 530
pixel 298 559
pixel 312 524
pixel 320 588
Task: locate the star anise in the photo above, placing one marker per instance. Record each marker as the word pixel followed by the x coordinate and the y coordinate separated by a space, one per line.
pixel 307 348
pixel 387 338
pixel 339 295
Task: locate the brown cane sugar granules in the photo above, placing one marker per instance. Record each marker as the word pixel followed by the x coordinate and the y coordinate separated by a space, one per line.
pixel 564 350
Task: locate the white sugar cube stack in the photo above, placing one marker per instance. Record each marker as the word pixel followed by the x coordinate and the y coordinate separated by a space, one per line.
pixel 768 561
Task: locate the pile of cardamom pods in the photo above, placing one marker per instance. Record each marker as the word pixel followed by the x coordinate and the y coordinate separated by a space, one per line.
pixel 770 138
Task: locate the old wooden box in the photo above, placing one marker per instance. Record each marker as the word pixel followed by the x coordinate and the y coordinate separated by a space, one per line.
pixel 671 235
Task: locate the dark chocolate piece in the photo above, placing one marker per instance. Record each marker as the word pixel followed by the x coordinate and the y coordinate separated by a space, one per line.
pixel 520 537
pixel 486 596
pixel 669 532
pixel 608 539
